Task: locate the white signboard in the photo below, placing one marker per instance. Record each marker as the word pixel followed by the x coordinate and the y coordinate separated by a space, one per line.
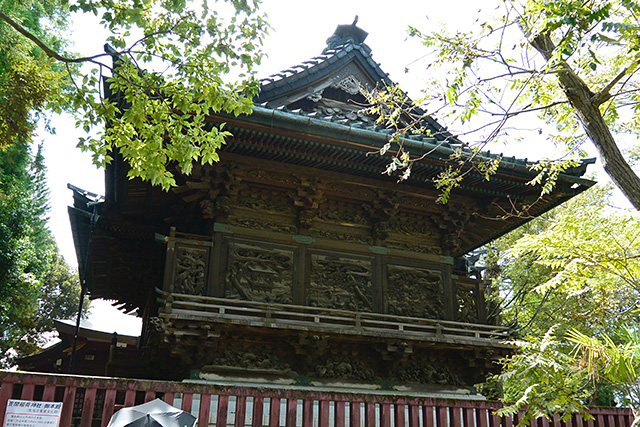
pixel 26 413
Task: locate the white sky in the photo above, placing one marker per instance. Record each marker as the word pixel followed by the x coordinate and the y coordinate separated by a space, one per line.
pixel 300 29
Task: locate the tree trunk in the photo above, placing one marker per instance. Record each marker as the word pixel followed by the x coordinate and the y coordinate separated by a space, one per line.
pixel 587 108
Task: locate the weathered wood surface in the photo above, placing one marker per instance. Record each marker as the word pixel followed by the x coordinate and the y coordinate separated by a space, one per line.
pixel 192 307
pixel 225 406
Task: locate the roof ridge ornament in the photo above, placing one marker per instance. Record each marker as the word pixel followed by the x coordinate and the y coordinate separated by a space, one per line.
pixel 345 34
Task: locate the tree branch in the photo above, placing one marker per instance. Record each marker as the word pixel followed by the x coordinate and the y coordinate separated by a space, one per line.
pixel 47 50
pixel 604 94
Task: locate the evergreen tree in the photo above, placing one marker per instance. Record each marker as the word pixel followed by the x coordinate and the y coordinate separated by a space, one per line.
pixel 36 285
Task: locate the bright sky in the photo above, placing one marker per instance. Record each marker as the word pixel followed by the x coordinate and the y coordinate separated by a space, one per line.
pixel 300 30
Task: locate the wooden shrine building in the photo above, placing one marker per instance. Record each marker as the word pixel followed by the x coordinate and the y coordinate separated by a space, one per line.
pixel 294 259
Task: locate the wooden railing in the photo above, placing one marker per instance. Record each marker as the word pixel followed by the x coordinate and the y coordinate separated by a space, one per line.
pixel 325 319
pixel 92 401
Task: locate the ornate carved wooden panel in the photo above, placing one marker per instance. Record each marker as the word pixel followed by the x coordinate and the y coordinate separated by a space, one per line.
pixel 415 292
pixel 466 303
pixel 259 272
pixel 191 270
pixel 340 282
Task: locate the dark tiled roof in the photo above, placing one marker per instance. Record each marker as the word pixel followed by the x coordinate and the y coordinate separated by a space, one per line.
pixel 317 67
pixel 332 59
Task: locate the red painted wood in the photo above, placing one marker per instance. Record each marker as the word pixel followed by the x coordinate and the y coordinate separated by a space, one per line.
pixel 323 413
pixel 149 396
pixel 354 414
pixel 6 390
pixel 441 416
pixel 578 421
pixel 292 412
pixel 543 422
pixel 427 416
pixel 569 423
pixel 385 415
pixel 456 416
pixel 241 411
pixel 27 391
pixel 187 402
pixel 482 417
pixel 205 410
pixel 469 416
pixel 109 404
pixel 130 398
pixel 258 410
pixel 494 420
pixel 67 406
pixel 168 398
pixel 274 412
pixel 339 413
pixel 307 412
pixel 87 407
pixel 49 393
pixel 369 414
pixel 414 415
pixel 223 410
pixel 507 421
pixel 399 414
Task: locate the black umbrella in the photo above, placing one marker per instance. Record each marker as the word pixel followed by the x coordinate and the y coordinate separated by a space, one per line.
pixel 155 413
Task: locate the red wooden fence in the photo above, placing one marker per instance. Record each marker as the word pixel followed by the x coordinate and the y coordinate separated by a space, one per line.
pixel 90 402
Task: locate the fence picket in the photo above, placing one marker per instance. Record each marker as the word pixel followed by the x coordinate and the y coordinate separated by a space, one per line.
pixel 204 411
pixel 27 391
pixel 87 407
pixel 109 406
pixel 258 409
pixel 274 412
pixel 67 406
pixel 340 409
pixel 378 410
pixel 354 414
pixel 223 409
pixel 323 413
pixel 399 415
pixel 385 415
pixel 292 412
pixel 241 411
pixel 187 402
pixel 369 414
pixel 6 390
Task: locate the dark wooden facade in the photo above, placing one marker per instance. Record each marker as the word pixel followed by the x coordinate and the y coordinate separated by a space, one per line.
pixel 295 258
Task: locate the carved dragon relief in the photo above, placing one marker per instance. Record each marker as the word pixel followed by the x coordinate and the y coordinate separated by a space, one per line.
pixel 250 360
pixel 340 283
pixel 259 273
pixel 425 371
pixel 415 292
pixel 190 275
pixel 345 367
pixel 467 307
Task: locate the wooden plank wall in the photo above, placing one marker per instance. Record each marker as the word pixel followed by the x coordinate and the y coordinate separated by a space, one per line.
pixel 92 401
